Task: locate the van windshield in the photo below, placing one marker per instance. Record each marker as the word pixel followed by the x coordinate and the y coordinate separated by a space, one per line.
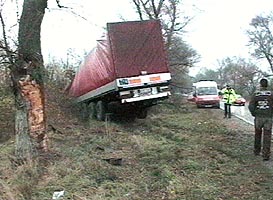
pixel 206 91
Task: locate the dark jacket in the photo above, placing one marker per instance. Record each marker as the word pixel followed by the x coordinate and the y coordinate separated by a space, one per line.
pixel 261 103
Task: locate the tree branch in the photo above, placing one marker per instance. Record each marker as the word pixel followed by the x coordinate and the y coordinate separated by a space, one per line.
pixel 5 47
pixel 138 7
pixel 59 5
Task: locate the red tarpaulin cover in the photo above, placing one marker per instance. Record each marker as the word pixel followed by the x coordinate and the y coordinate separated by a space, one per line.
pixel 130 47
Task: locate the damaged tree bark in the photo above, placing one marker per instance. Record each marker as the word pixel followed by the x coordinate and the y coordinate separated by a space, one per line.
pixel 27 78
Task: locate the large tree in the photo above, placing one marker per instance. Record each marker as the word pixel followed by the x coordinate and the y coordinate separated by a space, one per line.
pixel 27 79
pixel 240 74
pixel 166 10
pixel 207 74
pixel 181 57
pixel 261 38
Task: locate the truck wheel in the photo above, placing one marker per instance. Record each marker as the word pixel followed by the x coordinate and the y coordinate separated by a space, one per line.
pixel 142 113
pixel 83 111
pixel 101 110
pixel 92 110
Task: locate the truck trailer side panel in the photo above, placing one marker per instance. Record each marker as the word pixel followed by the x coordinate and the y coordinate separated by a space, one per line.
pixel 96 70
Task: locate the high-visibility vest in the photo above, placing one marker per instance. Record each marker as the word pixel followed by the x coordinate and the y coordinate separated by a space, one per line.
pixel 229 95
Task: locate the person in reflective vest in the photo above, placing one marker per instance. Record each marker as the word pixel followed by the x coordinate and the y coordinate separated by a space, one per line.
pixel 229 96
pixel 261 107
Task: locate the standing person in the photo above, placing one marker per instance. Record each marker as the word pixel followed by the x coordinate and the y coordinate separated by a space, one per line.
pixel 261 107
pixel 229 97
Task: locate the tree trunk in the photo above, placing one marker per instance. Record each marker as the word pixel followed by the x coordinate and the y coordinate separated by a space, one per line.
pixel 30 119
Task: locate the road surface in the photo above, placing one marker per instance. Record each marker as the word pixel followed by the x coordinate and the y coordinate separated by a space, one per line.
pixel 241 112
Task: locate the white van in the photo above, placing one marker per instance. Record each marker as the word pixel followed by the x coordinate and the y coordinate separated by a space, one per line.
pixel 206 94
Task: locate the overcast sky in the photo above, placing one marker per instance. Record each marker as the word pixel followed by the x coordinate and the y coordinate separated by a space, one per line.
pixel 62 30
pixel 216 32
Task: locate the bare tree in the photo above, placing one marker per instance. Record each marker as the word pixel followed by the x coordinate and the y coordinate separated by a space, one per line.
pixel 261 38
pixel 27 79
pixel 149 8
pixel 6 54
pixel 243 75
pixel 27 71
pixel 167 11
pixel 181 57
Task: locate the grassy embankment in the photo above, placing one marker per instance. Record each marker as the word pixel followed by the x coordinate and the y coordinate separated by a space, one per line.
pixel 178 152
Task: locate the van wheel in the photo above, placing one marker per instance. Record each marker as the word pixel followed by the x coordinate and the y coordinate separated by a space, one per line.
pixel 101 110
pixel 92 110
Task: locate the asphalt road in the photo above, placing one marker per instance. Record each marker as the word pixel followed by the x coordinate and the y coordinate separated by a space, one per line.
pixel 241 112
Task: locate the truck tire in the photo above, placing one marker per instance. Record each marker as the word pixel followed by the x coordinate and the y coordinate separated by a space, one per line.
pixel 92 110
pixel 101 110
pixel 84 111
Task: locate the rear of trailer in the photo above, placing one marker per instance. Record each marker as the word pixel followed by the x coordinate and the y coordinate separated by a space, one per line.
pixel 129 67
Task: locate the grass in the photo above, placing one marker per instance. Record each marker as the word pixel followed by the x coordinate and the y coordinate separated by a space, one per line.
pixel 178 152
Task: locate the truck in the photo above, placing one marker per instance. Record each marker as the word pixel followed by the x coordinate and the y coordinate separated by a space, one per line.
pixel 127 71
pixel 206 94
